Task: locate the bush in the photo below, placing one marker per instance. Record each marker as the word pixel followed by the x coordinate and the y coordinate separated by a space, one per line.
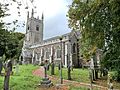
pixel 116 75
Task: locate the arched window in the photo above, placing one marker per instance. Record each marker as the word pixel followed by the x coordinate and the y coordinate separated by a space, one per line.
pixel 74 50
pixel 58 51
pixel 47 51
pixel 37 27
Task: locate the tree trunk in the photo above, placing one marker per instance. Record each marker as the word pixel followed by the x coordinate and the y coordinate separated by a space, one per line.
pixel 6 79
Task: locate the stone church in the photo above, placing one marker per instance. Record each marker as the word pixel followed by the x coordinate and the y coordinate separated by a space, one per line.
pixel 36 50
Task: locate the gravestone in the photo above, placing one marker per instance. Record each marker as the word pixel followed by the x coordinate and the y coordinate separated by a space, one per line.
pixel 45 81
pixel 69 72
pixel 52 68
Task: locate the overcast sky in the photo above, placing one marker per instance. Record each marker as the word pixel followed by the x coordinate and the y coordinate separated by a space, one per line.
pixel 55 20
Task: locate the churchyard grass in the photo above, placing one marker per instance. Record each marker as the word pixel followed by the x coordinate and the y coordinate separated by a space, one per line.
pixel 24 80
pixel 80 75
pixel 1 83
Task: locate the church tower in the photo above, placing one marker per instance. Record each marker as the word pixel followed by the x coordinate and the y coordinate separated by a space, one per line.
pixel 34 34
pixel 34 29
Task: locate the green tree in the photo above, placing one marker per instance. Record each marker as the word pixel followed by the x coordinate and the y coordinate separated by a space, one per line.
pixel 10 45
pixel 18 43
pixel 2 31
pixel 10 42
pixel 99 25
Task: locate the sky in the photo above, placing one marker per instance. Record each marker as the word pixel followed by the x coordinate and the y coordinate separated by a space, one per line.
pixel 55 20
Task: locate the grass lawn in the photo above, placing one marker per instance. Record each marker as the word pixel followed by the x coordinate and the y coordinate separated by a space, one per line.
pixel 24 80
pixel 82 75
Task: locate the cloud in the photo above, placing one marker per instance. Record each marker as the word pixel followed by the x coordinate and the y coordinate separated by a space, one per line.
pixel 56 26
pixel 54 12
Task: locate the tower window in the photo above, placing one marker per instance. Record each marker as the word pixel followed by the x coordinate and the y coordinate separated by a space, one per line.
pixel 28 28
pixel 37 28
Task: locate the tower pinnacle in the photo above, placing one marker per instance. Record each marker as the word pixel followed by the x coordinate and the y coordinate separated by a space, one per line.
pixel 42 16
pixel 32 14
pixel 28 14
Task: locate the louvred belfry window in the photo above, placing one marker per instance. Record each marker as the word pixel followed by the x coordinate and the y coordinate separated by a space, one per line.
pixel 28 27
pixel 37 28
